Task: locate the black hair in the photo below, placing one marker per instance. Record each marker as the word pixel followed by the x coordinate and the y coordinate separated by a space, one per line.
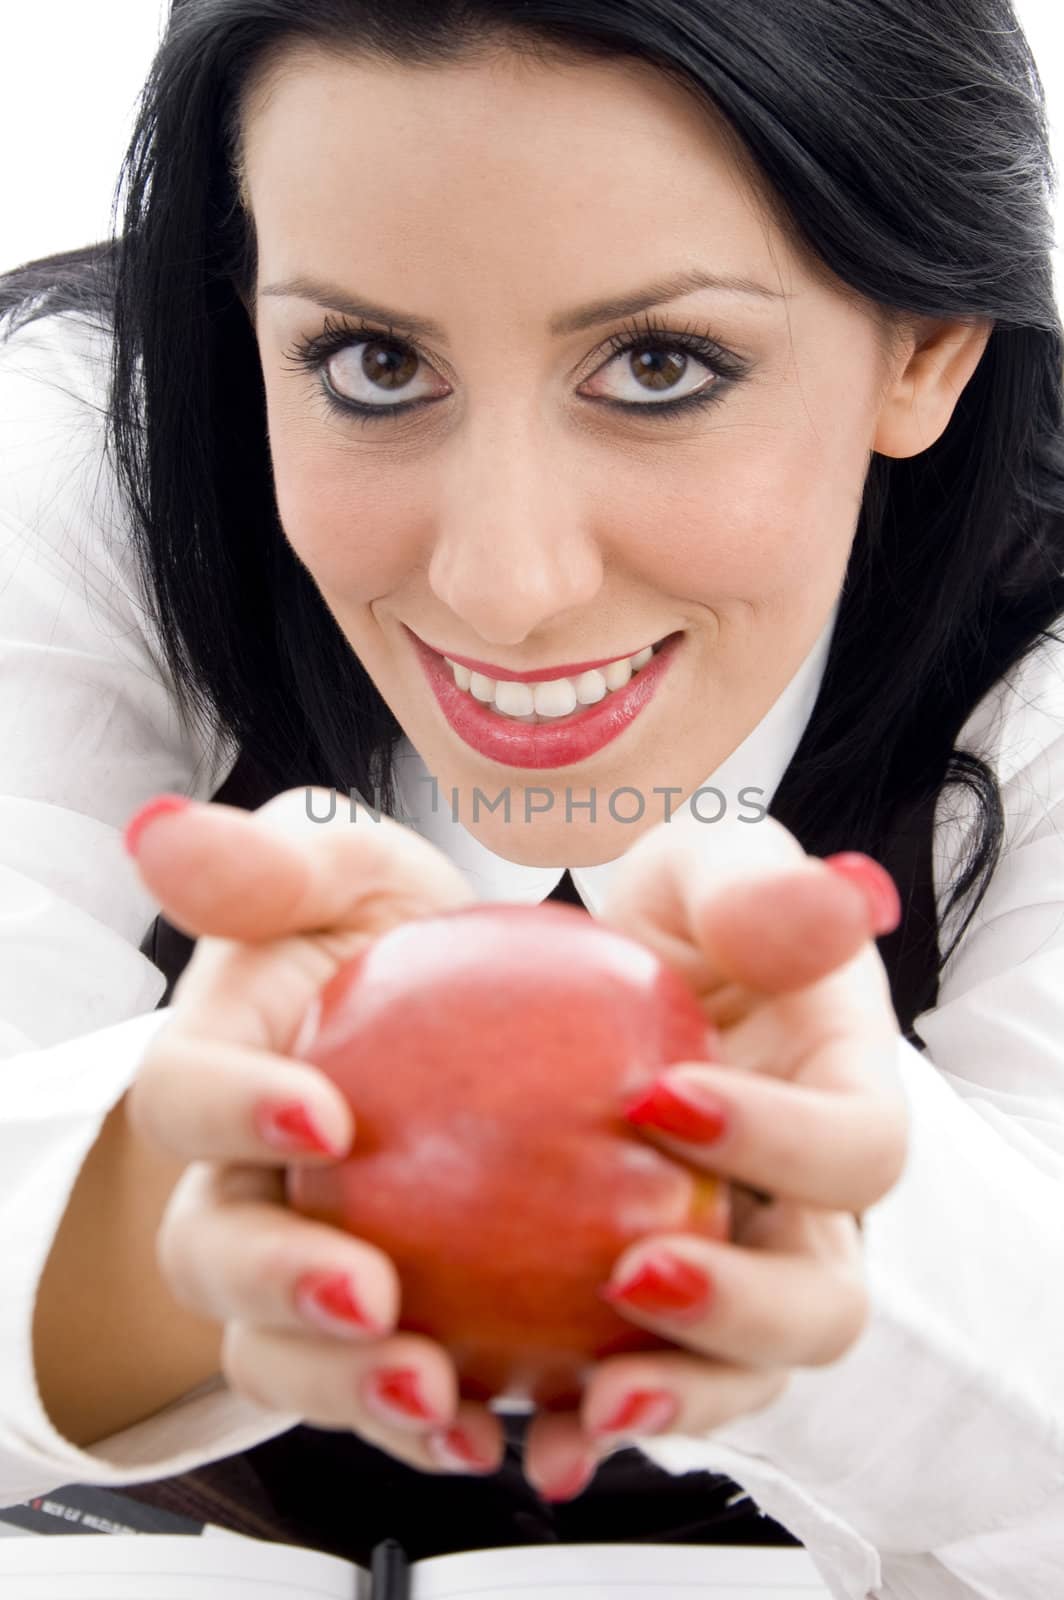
pixel 905 149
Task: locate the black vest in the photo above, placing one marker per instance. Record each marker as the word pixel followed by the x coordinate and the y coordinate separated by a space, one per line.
pixel 331 1491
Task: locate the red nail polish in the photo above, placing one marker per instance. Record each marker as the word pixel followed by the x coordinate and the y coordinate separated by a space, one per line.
pixel 640 1411
pixel 675 1105
pixel 399 1389
pixel 288 1125
pixel 453 1448
pixel 875 883
pixel 327 1298
pixel 663 1285
pixel 571 1483
pixel 158 807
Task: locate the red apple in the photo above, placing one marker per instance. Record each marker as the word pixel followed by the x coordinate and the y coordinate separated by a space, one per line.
pixel 487 1054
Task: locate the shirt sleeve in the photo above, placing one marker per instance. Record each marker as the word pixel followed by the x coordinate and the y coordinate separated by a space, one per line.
pixel 938 1438
pixel 88 732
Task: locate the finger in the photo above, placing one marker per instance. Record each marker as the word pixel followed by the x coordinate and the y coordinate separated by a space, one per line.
pixel 474 1442
pixel 739 909
pixel 664 872
pixel 232 874
pixel 832 1236
pixel 839 1149
pixel 627 1398
pixel 318 892
pixel 783 933
pixel 635 1396
pixel 226 1102
pixel 757 1308
pixel 560 1460
pixel 231 1254
pixel 399 1394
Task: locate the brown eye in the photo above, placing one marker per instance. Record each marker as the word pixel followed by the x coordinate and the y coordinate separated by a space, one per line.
pixel 662 374
pixel 380 362
pixel 658 366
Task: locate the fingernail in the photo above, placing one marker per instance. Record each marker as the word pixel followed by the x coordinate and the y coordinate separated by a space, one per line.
pixel 875 883
pixel 288 1125
pixel 640 1411
pixel 662 1284
pixel 327 1299
pixel 160 806
pixel 676 1105
pixel 454 1449
pixel 395 1392
pixel 568 1484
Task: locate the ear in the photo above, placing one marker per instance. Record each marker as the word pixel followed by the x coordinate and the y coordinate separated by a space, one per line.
pixel 920 399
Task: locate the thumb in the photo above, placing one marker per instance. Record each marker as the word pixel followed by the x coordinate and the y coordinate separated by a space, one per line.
pixel 221 871
pixel 741 905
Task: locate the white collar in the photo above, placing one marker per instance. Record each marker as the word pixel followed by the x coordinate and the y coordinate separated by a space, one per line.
pixel 757 765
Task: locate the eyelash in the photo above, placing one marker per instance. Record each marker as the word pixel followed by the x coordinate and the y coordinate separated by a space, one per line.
pixel 310 354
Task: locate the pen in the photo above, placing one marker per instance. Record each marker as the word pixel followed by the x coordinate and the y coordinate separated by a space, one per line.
pixel 389 1572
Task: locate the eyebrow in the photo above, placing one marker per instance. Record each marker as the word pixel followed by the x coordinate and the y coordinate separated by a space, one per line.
pixel 577 320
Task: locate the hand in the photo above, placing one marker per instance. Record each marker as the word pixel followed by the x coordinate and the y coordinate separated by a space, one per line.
pixel 278 903
pixel 778 946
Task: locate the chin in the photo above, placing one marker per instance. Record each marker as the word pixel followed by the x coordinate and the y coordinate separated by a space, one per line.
pixel 541 843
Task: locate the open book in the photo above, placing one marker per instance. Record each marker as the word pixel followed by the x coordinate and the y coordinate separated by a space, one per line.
pixel 101 1554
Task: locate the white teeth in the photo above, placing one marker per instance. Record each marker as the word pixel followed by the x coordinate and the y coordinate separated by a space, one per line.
pixel 532 702
pixel 590 687
pixel 617 673
pixel 554 699
pixel 516 699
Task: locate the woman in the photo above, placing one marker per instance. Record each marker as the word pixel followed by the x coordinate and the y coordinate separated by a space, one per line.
pixel 835 549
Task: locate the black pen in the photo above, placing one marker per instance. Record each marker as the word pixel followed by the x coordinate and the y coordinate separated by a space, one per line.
pixel 389 1572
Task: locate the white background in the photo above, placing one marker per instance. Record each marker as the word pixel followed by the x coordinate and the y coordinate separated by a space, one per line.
pixel 71 72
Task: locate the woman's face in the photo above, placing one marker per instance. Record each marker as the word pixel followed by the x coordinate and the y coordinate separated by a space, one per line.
pixel 516 514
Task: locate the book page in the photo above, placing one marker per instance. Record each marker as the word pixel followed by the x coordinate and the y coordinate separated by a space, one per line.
pixel 621 1572
pixel 164 1566
pixel 177 1567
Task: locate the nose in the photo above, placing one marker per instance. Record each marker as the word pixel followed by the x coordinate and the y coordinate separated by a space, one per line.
pixel 511 551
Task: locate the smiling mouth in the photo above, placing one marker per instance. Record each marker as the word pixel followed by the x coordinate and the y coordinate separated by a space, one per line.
pixel 574 721
pixel 557 701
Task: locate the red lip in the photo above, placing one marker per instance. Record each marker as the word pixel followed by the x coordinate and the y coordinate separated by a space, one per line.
pixel 562 741
pixel 543 675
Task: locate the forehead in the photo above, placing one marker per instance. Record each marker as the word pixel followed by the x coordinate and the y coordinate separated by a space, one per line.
pixel 614 136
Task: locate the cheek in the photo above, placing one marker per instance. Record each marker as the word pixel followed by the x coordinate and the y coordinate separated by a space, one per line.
pixel 751 510
pixel 343 517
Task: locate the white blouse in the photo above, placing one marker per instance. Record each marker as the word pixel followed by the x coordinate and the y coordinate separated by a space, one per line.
pixel 927 1463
